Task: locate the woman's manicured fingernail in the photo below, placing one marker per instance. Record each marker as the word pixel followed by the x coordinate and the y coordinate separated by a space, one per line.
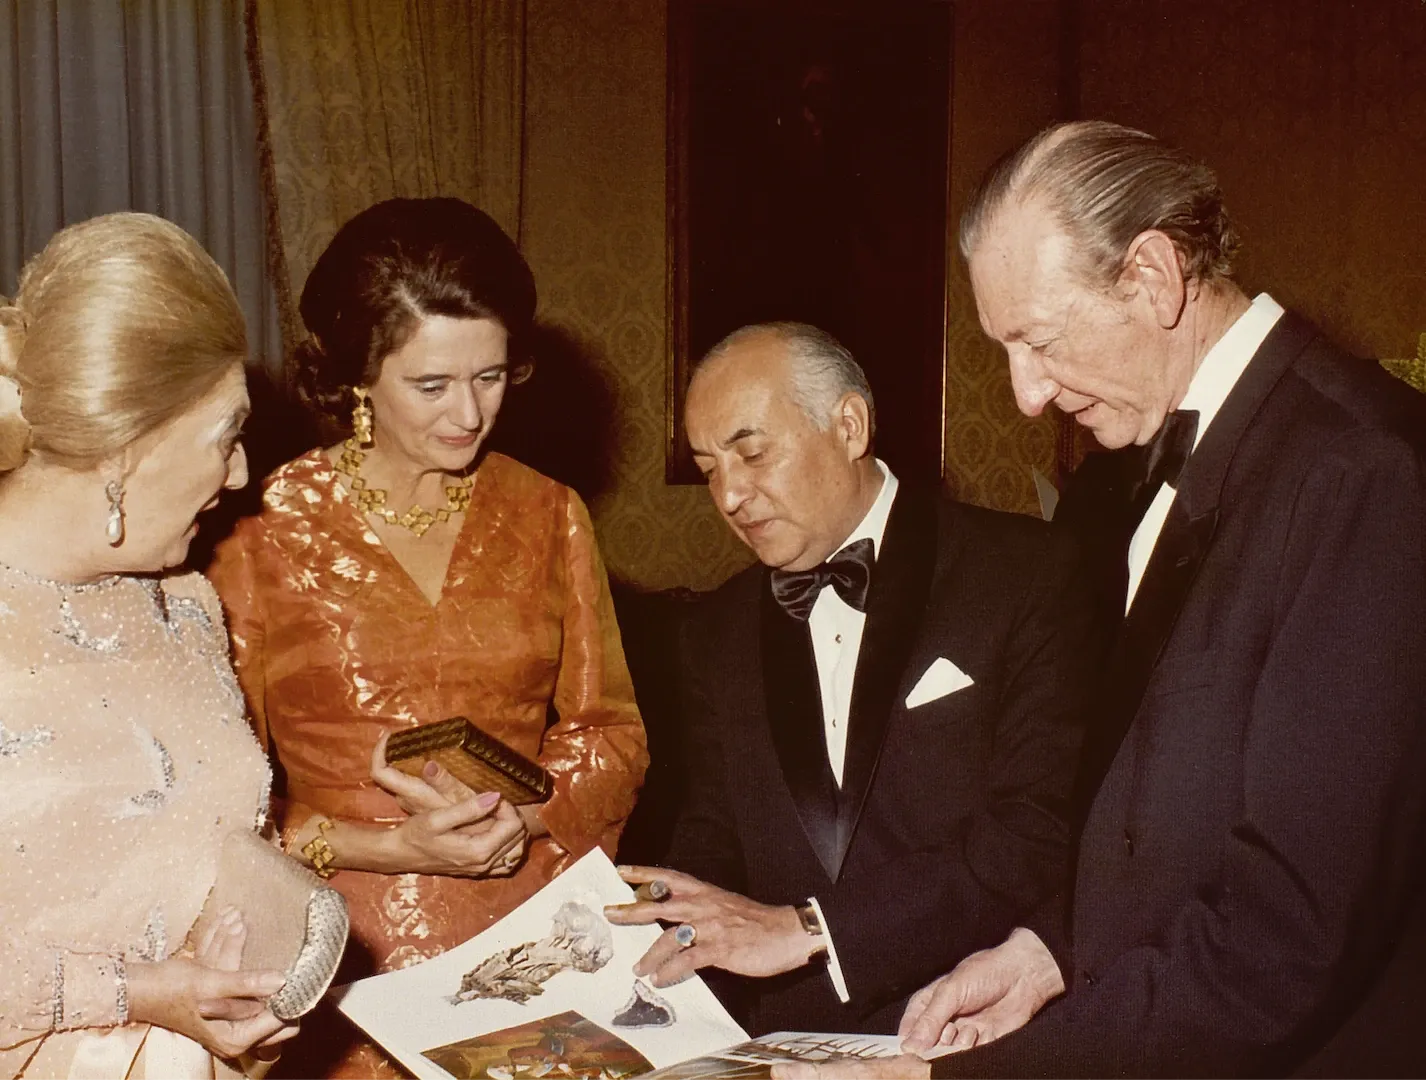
pixel 431 770
pixel 488 799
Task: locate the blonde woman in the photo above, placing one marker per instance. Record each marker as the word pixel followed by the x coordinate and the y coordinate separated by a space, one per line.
pixel 125 758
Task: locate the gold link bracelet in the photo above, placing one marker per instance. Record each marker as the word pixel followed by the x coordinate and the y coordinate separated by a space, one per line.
pixel 319 853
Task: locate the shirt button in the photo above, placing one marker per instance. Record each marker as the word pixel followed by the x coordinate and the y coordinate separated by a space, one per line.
pixel 1129 843
pixel 1088 979
pixel 838 639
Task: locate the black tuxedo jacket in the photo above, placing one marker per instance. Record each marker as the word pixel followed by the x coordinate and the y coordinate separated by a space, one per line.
pixel 1255 844
pixel 951 822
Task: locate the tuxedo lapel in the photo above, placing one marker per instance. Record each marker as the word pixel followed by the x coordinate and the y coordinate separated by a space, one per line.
pixel 794 712
pixel 1188 530
pixel 1097 509
pixel 1179 552
pixel 896 603
pixel 1182 545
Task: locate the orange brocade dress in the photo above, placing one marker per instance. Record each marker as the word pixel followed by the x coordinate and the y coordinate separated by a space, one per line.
pixel 335 644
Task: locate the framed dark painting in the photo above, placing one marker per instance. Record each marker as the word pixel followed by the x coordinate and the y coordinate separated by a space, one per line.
pixel 808 167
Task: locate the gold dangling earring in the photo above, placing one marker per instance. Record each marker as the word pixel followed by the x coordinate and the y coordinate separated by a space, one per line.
pixel 361 419
pixel 114 527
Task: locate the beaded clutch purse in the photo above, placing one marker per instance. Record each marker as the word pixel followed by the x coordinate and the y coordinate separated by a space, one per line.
pixel 295 923
pixel 479 761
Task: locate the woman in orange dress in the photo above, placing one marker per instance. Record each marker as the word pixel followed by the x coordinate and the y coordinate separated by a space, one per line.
pixel 402 577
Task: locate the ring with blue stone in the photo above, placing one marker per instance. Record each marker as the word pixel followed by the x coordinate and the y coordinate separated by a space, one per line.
pixel 686 935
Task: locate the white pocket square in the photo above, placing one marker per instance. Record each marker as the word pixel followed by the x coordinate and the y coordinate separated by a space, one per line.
pixel 941 678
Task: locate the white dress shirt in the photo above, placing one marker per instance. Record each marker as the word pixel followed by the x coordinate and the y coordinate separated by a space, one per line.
pixel 836 629
pixel 1215 378
pixel 837 633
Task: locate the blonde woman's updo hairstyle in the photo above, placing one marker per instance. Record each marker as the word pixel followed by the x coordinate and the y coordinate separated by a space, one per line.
pixel 120 324
pixel 391 266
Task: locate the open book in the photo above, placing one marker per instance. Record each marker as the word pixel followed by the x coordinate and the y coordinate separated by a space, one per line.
pixel 549 991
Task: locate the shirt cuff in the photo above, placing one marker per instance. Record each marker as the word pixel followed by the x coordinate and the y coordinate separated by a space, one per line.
pixel 834 967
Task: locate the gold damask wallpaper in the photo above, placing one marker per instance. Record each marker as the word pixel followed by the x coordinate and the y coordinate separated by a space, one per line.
pixel 593 229
pixel 1314 115
pixel 1007 85
pixel 1310 112
pixel 589 186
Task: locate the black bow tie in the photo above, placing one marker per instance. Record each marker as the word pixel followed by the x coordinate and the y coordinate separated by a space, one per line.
pixel 1163 457
pixel 848 571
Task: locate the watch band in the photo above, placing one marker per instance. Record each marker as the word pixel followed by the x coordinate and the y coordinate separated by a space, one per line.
pixel 811 924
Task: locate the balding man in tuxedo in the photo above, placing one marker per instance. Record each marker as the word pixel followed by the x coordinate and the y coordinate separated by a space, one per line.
pixel 883 716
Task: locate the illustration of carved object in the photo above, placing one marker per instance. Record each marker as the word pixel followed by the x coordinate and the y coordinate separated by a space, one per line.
pixel 579 940
pixel 645 1009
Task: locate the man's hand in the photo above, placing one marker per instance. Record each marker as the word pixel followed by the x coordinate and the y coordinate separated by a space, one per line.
pixel 988 994
pixel 732 932
pixel 902 1067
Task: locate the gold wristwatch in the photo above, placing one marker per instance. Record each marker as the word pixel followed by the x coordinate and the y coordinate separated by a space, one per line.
pixel 811 924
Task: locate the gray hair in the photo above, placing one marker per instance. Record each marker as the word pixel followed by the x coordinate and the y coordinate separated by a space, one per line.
pixel 1106 184
pixel 823 369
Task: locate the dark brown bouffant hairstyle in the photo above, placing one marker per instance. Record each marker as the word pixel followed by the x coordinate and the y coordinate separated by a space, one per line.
pixel 391 266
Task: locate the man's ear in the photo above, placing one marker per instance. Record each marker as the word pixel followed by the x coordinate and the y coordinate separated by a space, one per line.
pixel 1153 268
pixel 852 420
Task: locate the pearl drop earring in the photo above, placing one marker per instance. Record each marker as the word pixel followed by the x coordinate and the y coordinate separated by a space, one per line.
pixel 114 527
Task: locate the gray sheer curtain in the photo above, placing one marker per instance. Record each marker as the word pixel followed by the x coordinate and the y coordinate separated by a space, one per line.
pixel 134 105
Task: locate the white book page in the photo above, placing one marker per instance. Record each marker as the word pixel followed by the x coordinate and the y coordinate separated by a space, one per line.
pixel 754 1060
pixel 410 1011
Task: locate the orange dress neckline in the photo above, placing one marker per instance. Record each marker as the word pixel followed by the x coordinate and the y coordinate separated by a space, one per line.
pixel 335 478
pixel 331 653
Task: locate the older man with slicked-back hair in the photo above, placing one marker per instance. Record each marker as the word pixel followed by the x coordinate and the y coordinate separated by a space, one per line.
pixel 882 718
pixel 1248 890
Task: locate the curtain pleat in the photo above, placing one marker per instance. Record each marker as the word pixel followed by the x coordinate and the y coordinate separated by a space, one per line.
pixel 365 100
pixel 134 105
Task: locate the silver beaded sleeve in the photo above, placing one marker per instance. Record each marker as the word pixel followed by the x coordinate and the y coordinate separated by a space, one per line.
pixel 57 992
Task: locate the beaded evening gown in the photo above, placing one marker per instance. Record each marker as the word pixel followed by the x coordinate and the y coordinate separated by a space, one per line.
pixel 124 762
pixel 335 644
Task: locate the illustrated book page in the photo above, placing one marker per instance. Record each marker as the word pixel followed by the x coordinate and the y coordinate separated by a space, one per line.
pixel 753 1060
pixel 549 990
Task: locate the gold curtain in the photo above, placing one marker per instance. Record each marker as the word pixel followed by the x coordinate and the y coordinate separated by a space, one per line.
pixel 364 100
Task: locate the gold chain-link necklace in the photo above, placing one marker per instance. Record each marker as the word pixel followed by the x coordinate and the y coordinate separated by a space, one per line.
pixel 372 500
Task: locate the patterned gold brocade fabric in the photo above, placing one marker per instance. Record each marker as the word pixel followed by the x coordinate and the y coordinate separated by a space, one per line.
pixel 124 762
pixel 335 644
